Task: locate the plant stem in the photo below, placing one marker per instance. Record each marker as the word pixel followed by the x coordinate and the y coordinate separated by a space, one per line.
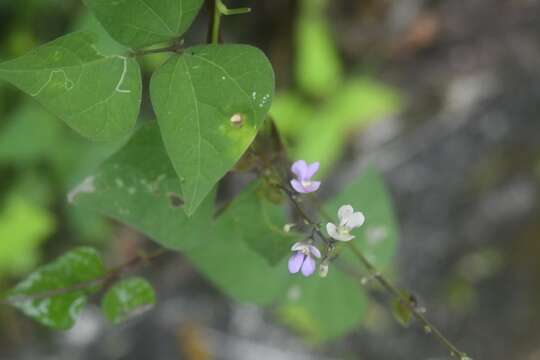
pixel 216 23
pixel 387 285
pixel 221 9
pixel 383 281
pixel 304 215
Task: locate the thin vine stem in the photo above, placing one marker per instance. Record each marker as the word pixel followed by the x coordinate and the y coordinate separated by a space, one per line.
pixel 381 279
pixel 220 9
pixel 216 23
pixel 388 286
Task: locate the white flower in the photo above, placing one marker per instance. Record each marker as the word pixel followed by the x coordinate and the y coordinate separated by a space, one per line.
pixel 348 220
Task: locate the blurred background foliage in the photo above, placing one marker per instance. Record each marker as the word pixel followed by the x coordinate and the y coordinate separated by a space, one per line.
pixel 318 115
pixel 440 95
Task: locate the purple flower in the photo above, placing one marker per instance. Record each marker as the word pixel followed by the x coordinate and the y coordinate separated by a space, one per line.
pixel 304 172
pixel 303 258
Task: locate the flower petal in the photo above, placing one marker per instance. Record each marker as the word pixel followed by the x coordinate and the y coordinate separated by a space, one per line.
pixel 312 187
pixel 295 262
pixel 314 251
pixel 309 266
pixel 344 212
pixel 298 246
pixel 356 220
pixel 297 185
pixel 344 237
pixel 331 229
pixel 300 169
pixel 312 169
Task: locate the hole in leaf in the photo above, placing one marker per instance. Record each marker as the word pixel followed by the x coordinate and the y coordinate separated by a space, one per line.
pixel 175 200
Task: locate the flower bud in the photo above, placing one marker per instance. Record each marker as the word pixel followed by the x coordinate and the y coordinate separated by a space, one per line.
pixel 323 269
pixel 287 227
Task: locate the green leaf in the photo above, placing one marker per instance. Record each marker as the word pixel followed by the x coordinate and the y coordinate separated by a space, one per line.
pixel 291 113
pixel 356 105
pixel 139 187
pixel 139 23
pixel 324 308
pixel 128 298
pixel 229 262
pixel 105 44
pixel 41 295
pixel 29 121
pixel 195 95
pixel 259 223
pixel 23 227
pixel 401 311
pixel 135 187
pixel 318 65
pixel 98 96
pixel 378 236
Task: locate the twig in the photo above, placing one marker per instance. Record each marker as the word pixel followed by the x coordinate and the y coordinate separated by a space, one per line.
pixel 216 23
pixel 382 280
pixel 219 10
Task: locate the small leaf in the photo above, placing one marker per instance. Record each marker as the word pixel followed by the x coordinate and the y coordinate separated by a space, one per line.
pixel 138 23
pixel 98 96
pixel 318 66
pixel 195 96
pixel 259 223
pixel 293 115
pixel 23 226
pixel 354 106
pixel 128 298
pixel 401 311
pixel 43 296
pixel 29 121
pixel 328 307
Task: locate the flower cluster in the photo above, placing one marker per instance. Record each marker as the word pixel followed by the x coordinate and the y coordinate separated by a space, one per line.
pixel 304 253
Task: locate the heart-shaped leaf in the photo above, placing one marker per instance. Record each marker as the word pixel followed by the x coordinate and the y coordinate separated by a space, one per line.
pixel 139 23
pixel 210 102
pixel 98 96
